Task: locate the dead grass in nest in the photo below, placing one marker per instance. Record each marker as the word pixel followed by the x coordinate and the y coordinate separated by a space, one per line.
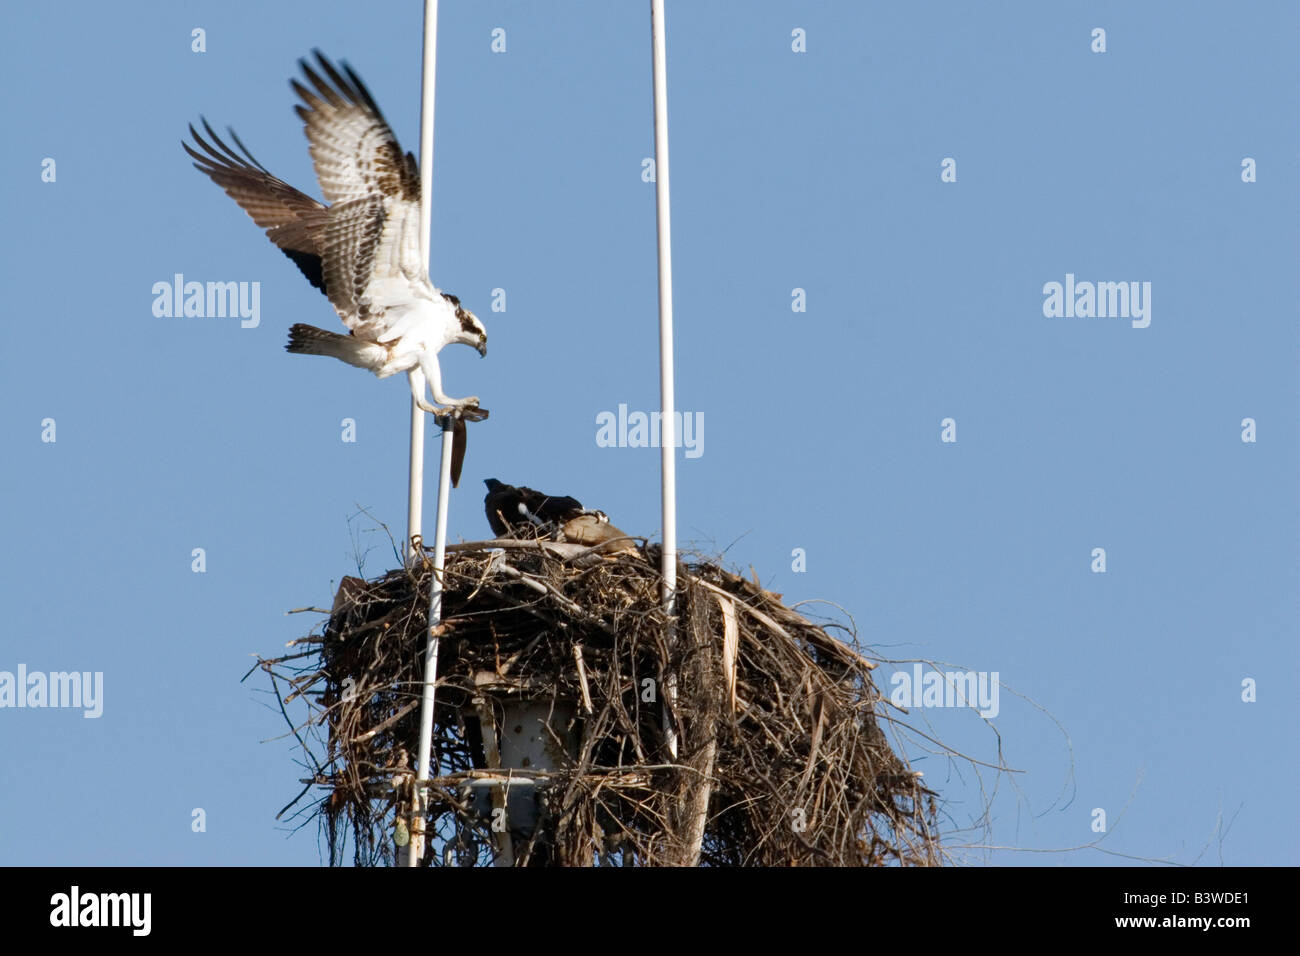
pixel 782 760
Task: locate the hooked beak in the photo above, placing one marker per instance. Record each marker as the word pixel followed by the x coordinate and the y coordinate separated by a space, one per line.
pixel 482 345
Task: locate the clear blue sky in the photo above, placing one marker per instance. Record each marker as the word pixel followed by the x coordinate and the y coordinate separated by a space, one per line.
pixel 818 171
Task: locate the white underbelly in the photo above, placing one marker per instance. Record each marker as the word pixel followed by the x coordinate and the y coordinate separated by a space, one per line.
pixel 402 361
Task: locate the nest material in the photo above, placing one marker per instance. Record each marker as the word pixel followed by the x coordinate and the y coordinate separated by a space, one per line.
pixel 781 757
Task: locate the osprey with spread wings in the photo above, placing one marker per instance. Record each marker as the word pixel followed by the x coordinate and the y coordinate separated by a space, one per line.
pixel 362 250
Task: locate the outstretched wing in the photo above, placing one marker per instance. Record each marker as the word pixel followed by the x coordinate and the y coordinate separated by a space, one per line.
pixel 284 212
pixel 369 238
pixel 352 146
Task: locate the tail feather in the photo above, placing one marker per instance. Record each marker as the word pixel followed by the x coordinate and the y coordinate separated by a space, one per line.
pixel 309 340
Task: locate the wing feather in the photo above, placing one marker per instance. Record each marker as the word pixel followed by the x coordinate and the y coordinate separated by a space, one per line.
pixel 271 202
pixel 268 200
pixel 363 250
pixel 352 146
pixel 372 236
pixel 347 237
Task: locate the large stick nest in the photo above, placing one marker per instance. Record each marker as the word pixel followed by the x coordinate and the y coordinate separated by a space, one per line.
pixel 781 757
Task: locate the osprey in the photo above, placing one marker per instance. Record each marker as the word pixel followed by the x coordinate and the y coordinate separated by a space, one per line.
pixel 511 510
pixel 362 250
pixel 524 513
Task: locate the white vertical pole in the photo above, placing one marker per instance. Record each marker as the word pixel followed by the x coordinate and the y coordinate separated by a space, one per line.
pixel 667 428
pixel 415 484
pixel 429 78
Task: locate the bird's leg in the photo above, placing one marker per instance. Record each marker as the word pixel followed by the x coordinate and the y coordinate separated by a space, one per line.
pixel 433 372
pixel 416 378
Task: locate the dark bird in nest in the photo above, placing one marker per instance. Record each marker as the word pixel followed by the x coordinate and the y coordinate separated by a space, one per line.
pixel 519 512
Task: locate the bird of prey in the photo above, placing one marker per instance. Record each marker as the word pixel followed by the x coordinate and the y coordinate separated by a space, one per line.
pixel 512 510
pixel 363 249
pixel 524 513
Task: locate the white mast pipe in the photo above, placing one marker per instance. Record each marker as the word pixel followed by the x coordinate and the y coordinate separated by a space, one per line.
pixel 667 426
pixel 429 77
pixel 428 80
pixel 431 648
pixel 415 485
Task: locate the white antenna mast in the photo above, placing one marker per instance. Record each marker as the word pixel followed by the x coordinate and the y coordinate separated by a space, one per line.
pixel 667 422
pixel 420 804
